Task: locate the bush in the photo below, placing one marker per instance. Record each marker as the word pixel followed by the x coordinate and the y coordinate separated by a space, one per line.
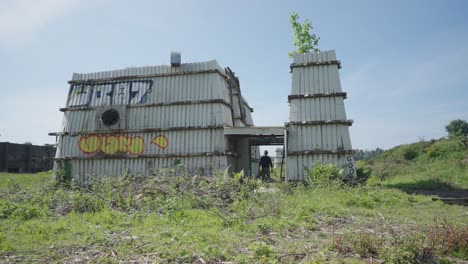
pixel 83 202
pixel 407 152
pixel 324 175
pixel 444 148
pixel 262 251
pixel 445 239
pixel 23 212
pixel 7 209
pixel 363 171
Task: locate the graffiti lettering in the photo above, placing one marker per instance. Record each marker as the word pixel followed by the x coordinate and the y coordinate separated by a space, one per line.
pixel 106 93
pixel 350 165
pixel 112 144
pixel 89 144
pixel 160 141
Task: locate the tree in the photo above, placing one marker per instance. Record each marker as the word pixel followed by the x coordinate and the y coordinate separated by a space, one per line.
pixel 457 128
pixel 303 39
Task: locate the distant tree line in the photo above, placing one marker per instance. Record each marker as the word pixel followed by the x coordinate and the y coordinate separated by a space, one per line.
pixel 361 154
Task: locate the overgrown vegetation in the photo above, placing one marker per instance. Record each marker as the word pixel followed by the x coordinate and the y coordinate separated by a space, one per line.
pixel 304 40
pixel 435 164
pixel 198 219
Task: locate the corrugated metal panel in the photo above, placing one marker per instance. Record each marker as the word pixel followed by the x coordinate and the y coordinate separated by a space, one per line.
pixel 321 137
pixel 151 70
pixel 84 171
pixel 322 56
pixel 255 160
pixel 194 87
pixel 193 96
pixel 156 117
pixel 135 144
pixel 318 130
pixel 297 166
pixel 315 109
pixel 313 80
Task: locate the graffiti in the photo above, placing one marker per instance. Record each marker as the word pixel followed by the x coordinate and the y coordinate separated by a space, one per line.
pixel 108 93
pixel 349 170
pixel 160 141
pixel 117 144
pixel 80 95
pixel 89 144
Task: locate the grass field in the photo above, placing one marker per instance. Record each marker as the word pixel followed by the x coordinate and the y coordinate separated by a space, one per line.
pixel 168 219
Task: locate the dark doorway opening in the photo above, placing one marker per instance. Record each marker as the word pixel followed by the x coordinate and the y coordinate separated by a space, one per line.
pixel 249 141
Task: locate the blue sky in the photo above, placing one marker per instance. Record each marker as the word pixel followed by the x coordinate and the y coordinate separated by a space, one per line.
pixel 404 62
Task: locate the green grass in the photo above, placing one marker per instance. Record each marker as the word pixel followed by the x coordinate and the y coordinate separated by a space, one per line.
pixel 167 219
pixel 28 181
pixel 437 164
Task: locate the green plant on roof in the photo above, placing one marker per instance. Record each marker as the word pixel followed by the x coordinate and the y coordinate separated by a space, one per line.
pixel 304 40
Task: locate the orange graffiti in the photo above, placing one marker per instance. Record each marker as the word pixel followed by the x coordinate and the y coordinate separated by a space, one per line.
pixel 111 144
pixel 160 141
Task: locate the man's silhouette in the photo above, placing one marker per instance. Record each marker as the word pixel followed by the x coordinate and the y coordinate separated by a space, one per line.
pixel 265 163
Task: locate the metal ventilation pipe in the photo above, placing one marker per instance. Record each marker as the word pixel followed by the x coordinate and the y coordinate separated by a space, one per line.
pixel 175 58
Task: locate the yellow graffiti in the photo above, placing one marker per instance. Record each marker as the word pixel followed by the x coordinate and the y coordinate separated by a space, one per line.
pixel 89 144
pixel 111 144
pixel 136 145
pixel 124 142
pixel 160 141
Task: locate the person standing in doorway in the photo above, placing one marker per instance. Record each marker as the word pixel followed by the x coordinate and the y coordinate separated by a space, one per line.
pixel 266 164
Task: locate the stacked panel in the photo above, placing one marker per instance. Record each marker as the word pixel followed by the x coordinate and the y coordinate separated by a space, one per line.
pixel 318 129
pixel 144 119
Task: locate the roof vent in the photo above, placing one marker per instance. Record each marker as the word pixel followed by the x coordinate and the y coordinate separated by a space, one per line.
pixel 175 58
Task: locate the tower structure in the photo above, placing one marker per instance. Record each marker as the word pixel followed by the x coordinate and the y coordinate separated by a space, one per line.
pixel 317 128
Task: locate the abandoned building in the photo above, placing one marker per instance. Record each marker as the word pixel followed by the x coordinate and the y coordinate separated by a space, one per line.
pixel 147 118
pixel 25 158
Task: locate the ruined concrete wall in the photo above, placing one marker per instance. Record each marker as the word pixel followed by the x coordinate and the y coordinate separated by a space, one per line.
pixel 25 158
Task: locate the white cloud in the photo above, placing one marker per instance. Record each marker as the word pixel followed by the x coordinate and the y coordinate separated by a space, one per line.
pixel 20 18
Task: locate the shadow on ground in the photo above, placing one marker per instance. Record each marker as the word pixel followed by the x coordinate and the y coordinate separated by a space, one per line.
pixel 440 190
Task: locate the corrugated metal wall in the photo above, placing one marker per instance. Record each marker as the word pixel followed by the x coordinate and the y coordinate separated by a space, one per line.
pixel 318 128
pixel 167 116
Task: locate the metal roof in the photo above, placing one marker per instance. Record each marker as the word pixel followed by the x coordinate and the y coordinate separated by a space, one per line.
pixel 151 71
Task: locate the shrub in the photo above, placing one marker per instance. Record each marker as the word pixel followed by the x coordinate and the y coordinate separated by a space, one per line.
pixel 324 175
pixel 27 212
pixel 262 251
pixel 444 148
pixel 363 171
pixel 23 211
pixel 407 152
pixel 83 202
pixel 366 245
pixel 7 209
pixel 446 239
pixel 410 153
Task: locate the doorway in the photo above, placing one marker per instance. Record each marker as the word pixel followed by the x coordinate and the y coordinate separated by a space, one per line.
pixel 250 142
